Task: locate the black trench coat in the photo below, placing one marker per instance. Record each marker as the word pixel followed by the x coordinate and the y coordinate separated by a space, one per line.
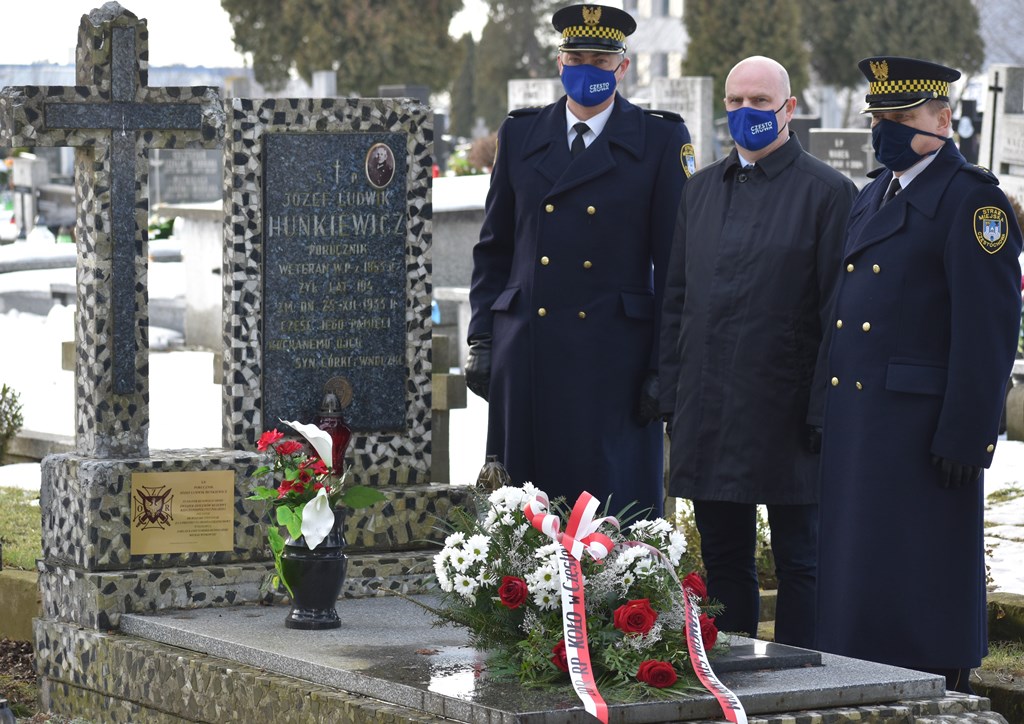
pixel 754 261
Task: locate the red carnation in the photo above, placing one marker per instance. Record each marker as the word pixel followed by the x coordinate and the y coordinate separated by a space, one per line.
pixel 267 439
pixel 513 591
pixel 658 674
pixel 288 447
pixel 695 583
pixel 635 616
pixel 708 631
pixel 316 466
pixel 559 658
pixel 284 488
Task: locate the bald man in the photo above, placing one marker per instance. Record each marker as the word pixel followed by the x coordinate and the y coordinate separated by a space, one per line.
pixel 754 259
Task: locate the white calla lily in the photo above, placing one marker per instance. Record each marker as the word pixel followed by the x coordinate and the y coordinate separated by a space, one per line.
pixel 320 440
pixel 317 519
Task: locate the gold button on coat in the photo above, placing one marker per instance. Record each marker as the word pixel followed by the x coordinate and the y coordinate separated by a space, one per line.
pixel 876 269
pixel 849 267
pixel 866 326
pixel 591 210
pixel 549 208
pixel 542 312
pixel 835 381
pixel 990 448
pixel 582 315
pixel 587 265
pixel 545 261
pixel 859 385
pixel 839 324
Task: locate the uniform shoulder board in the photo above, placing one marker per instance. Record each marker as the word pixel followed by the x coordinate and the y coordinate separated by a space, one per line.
pixel 982 172
pixel 520 112
pixel 667 115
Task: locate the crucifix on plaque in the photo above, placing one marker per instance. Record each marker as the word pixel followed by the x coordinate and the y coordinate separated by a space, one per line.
pixel 112 118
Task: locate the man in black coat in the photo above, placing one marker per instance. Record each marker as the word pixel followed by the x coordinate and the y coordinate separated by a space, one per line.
pixel 568 276
pixel 754 261
pixel 926 322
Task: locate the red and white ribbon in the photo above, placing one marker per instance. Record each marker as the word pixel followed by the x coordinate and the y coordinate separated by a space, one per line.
pixel 580 535
pixel 730 703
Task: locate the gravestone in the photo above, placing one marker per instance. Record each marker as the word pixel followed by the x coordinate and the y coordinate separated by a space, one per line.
pixel 801 126
pixel 691 98
pixel 847 150
pixel 533 92
pixel 1002 131
pixel 327 275
pixel 188 175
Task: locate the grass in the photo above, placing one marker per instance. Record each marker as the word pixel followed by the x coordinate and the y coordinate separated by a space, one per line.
pixel 1005 495
pixel 1005 657
pixel 20 528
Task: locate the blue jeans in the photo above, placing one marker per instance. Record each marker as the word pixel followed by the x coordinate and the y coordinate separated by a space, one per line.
pixel 728 533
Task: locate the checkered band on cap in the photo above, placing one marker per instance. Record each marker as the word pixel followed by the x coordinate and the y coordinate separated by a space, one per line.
pixel 593 31
pixel 888 87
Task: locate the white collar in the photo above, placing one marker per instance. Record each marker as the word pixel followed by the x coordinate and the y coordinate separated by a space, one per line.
pixel 596 124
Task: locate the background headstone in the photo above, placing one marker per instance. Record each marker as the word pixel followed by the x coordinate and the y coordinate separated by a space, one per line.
pixel 847 150
pixel 182 176
pixel 1002 132
pixel 533 92
pixel 691 98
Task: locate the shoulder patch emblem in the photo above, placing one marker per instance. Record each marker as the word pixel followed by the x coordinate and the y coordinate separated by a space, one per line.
pixel 991 228
pixel 688 158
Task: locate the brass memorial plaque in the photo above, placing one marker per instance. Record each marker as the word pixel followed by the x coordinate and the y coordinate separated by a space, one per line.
pixel 192 512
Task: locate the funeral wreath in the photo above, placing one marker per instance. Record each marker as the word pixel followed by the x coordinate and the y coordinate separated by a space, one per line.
pixel 305 491
pixel 499 577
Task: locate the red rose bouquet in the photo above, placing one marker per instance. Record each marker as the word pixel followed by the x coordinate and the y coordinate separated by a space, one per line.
pixel 306 491
pixel 499 578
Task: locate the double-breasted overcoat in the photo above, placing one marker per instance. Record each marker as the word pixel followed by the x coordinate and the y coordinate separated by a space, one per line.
pixel 925 329
pixel 567 279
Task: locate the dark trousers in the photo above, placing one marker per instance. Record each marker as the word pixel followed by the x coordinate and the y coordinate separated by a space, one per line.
pixel 728 534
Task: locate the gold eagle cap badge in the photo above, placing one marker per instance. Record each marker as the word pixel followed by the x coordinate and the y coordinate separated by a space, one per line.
pixel 880 69
pixel 591 15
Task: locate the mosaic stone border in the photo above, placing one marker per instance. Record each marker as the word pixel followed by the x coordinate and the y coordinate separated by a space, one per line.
pixel 112 391
pixel 378 459
pixel 97 600
pixel 86 512
pixel 111 678
pixel 115 678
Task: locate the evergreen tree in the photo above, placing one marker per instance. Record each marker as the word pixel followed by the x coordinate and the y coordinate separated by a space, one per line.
pixel 517 42
pixel 724 32
pixel 369 42
pixel 463 112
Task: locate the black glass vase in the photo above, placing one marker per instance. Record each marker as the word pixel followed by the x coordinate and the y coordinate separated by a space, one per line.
pixel 316 578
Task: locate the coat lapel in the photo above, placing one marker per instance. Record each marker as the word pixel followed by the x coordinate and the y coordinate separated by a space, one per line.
pixel 882 222
pixel 625 129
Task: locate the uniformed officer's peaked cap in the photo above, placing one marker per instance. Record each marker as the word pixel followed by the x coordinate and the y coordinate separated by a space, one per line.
pixel 597 28
pixel 896 83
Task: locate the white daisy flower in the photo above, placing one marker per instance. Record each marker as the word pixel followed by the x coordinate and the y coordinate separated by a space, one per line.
pixel 466 586
pixel 476 547
pixel 676 547
pixel 454 539
pixel 545 600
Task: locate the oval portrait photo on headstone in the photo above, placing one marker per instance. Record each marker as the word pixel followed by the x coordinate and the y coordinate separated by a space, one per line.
pixel 380 165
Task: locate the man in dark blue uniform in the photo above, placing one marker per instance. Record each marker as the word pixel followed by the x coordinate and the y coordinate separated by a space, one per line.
pixel 568 276
pixel 923 340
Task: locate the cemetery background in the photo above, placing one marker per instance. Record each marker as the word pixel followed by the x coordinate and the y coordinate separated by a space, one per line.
pixel 187 416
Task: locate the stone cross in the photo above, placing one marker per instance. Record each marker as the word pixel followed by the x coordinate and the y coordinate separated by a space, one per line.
pixel 112 118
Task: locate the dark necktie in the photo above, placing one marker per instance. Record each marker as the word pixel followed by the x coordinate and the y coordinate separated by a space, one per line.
pixel 578 146
pixel 890 193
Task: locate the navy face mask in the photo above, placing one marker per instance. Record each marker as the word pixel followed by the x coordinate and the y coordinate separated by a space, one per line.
pixel 587 84
pixel 753 129
pixel 891 141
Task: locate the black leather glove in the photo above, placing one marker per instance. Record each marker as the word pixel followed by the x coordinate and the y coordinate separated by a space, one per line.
pixel 478 365
pixel 954 474
pixel 812 439
pixel 647 407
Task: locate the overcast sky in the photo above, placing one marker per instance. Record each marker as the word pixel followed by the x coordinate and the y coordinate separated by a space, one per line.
pixel 189 32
